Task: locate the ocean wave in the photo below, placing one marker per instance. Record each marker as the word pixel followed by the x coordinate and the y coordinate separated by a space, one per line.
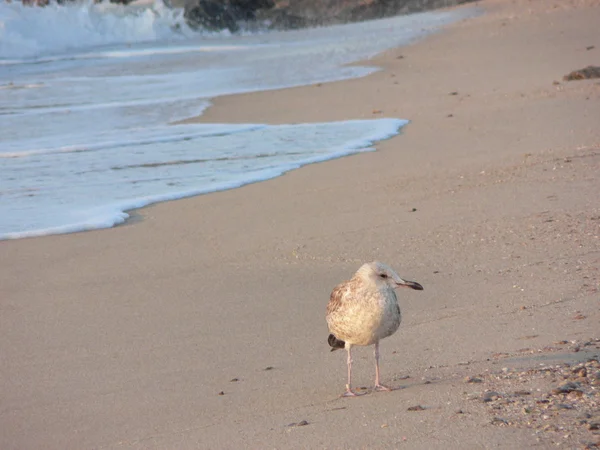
pixel 166 134
pixel 59 200
pixel 28 32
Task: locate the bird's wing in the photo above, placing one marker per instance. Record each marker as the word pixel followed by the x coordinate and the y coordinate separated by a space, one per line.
pixel 339 297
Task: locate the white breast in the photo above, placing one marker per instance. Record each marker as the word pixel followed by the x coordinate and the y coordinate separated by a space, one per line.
pixel 370 317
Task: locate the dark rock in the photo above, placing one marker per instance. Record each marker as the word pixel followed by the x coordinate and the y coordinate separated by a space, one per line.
pixel 291 14
pixel 220 15
pixel 499 421
pixel 212 15
pixel 522 392
pixel 583 74
pixel 563 406
pixel 122 2
pixel 415 408
pixel 473 380
pixel 302 423
pixel 565 387
pixel 490 396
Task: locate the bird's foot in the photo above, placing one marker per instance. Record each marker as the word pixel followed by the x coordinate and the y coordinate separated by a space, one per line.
pixel 350 393
pixel 381 387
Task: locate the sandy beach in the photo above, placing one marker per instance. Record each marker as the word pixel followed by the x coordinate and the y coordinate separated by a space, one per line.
pixel 201 322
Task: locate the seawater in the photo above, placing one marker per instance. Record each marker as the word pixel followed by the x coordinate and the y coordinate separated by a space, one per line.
pixel 89 93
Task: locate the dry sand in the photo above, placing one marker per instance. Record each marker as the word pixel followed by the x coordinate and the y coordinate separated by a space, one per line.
pixel 124 338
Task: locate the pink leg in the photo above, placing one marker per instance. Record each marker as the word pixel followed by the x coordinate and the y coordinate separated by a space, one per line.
pixel 378 385
pixel 349 392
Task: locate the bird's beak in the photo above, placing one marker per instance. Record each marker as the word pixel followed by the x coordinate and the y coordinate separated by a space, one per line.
pixel 410 284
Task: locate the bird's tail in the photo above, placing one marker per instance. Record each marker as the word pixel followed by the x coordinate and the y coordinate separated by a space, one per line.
pixel 335 343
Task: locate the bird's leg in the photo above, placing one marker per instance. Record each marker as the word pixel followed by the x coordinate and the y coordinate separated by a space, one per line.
pixel 378 385
pixel 349 392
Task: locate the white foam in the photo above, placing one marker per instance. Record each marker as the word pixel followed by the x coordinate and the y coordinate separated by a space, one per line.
pixel 27 32
pixel 75 194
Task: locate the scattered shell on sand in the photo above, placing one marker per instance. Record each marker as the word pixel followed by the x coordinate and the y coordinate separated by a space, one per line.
pixel 416 408
pixel 473 380
pixel 302 423
pixel 559 402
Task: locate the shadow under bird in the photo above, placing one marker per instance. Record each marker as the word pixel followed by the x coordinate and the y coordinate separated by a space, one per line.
pixel 364 310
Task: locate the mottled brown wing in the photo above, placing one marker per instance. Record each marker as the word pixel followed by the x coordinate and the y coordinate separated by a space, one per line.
pixel 341 295
pixel 336 300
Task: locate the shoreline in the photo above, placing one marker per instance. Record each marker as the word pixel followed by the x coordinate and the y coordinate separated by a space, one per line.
pixel 132 337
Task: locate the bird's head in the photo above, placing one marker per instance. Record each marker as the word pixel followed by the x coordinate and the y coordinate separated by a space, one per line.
pixel 383 275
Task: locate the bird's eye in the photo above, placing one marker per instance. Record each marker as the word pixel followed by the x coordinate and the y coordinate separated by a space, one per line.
pixel 383 275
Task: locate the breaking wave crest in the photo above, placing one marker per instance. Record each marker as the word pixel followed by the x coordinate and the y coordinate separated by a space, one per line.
pixel 28 32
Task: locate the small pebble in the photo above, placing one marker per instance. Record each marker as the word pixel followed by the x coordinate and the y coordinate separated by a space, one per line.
pixel 564 406
pixel 573 395
pixel 269 368
pixel 302 423
pixel 522 392
pixel 221 393
pixel 415 408
pixel 473 380
pixel 490 396
pixel 565 387
pixel 499 421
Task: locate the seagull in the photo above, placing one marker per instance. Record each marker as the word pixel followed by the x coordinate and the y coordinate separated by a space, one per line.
pixel 364 310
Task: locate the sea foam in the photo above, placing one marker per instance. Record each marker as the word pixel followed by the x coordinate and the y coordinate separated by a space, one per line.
pixel 27 32
pixel 78 192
